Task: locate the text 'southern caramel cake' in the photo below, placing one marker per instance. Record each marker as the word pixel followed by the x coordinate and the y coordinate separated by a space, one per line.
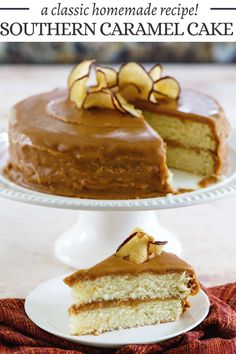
pixel 116 139
pixel 138 285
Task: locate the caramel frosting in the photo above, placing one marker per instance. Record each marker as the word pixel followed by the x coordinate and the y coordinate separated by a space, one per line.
pixel 74 309
pixel 114 265
pixel 44 120
pixel 191 103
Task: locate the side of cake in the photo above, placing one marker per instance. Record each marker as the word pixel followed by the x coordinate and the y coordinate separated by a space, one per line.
pixel 138 285
pixel 84 153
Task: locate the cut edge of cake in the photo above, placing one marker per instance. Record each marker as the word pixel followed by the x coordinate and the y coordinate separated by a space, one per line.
pixel 195 134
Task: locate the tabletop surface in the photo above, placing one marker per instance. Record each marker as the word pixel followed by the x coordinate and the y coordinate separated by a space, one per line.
pixel 27 232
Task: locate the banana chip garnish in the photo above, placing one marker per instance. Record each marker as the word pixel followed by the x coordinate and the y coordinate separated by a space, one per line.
pixel 102 95
pixel 119 90
pixel 166 87
pixel 156 72
pixel 139 247
pixel 134 75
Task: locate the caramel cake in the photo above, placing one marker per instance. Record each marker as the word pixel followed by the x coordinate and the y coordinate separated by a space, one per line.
pixel 116 139
pixel 138 285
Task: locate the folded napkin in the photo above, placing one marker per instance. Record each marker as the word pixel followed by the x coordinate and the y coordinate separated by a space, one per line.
pixel 216 334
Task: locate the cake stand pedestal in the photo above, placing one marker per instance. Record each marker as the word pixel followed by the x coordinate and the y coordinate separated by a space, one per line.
pixel 99 233
pixel 103 224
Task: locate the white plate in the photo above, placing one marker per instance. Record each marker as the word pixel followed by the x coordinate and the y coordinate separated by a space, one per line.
pixel 224 187
pixel 47 307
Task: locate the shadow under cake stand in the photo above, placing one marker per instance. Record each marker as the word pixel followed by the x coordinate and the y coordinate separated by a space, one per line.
pixel 103 224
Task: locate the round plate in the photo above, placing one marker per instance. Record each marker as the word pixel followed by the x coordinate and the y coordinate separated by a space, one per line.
pixel 47 307
pixel 224 187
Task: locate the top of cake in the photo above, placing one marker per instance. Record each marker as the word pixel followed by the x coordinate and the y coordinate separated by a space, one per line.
pixel 139 253
pixel 52 111
pixel 45 117
pixel 190 102
pixel 117 100
pixel 113 265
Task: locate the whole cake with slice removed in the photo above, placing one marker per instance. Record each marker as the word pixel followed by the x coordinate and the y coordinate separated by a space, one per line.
pixel 115 139
pixel 138 285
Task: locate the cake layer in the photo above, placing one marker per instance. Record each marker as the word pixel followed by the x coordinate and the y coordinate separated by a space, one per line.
pixel 108 316
pixel 187 132
pixel 198 161
pixel 98 153
pixel 142 286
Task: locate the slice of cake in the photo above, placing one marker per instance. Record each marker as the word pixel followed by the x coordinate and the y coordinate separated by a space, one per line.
pixel 138 285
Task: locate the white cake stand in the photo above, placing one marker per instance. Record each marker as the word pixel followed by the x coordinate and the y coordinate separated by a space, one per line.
pixel 103 224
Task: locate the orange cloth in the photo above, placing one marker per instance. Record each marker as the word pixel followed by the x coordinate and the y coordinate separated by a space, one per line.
pixel 216 334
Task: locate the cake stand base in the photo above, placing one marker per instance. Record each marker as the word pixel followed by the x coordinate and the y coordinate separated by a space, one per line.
pixel 97 234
